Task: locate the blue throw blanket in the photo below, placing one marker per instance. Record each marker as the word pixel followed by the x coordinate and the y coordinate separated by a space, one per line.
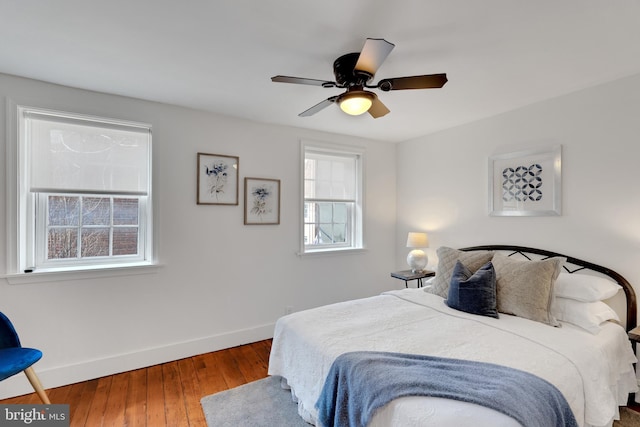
pixel 360 382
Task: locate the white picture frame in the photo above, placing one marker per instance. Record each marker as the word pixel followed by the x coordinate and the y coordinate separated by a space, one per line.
pixel 526 182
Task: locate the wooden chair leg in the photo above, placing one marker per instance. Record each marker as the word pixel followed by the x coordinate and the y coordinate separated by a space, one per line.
pixel 37 386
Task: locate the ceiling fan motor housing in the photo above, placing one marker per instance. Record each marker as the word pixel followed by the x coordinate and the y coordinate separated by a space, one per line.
pixel 345 72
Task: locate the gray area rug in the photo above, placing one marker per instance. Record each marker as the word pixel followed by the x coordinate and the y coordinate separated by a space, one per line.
pixel 264 403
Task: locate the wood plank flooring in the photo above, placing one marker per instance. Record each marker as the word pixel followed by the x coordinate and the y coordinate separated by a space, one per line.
pixel 162 395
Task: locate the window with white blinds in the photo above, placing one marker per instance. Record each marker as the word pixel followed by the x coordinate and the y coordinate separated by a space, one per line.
pixel 332 209
pixel 84 191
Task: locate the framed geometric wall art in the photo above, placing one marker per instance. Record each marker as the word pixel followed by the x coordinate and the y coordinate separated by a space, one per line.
pixel 261 201
pixel 526 182
pixel 217 179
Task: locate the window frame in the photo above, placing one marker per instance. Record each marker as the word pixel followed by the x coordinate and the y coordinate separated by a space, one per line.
pixel 349 232
pixel 22 205
pixel 355 226
pixel 42 228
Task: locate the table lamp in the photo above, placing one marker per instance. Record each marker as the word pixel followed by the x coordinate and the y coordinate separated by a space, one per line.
pixel 417 259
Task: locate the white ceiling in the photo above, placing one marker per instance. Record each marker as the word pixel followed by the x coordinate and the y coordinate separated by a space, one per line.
pixel 219 55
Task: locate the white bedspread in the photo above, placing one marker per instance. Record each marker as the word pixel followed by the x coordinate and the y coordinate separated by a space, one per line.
pixel 594 372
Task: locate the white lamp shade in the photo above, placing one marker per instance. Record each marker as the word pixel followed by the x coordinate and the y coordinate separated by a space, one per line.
pixel 417 240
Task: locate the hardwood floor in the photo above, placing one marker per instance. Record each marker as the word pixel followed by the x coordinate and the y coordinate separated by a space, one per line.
pixel 161 395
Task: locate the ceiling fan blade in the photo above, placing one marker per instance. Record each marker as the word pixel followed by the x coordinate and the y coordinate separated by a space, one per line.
pixel 373 54
pixel 429 81
pixel 302 81
pixel 319 106
pixel 378 109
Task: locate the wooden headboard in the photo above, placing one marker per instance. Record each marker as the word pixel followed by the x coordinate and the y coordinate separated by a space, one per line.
pixel 572 265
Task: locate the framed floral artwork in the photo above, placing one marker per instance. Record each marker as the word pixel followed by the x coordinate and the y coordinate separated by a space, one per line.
pixel 261 201
pixel 217 179
pixel 526 182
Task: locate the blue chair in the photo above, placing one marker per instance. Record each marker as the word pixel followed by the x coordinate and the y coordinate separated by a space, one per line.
pixel 15 358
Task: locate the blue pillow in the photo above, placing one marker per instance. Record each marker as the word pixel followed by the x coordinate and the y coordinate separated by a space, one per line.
pixel 473 292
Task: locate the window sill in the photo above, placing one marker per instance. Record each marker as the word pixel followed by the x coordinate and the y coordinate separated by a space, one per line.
pixel 333 251
pixel 80 273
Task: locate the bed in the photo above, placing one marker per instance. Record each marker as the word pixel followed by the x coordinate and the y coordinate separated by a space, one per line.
pixel 586 356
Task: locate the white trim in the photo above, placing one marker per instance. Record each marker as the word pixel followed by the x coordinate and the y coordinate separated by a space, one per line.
pixel 81 272
pixel 13 223
pixel 331 147
pixel 70 374
pixel 332 251
pixel 86 120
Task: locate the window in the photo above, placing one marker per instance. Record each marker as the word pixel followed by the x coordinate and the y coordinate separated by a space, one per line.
pixel 332 211
pixel 83 192
pixel 80 227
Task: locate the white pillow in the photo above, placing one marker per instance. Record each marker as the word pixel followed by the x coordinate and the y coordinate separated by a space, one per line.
pixel 587 315
pixel 427 282
pixel 583 287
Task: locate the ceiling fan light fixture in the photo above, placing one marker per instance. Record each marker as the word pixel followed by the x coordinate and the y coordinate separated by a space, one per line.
pixel 356 103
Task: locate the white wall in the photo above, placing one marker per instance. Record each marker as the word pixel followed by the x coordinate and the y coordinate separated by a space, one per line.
pixel 443 185
pixel 221 283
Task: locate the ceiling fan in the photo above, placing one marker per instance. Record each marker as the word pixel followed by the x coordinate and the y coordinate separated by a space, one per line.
pixel 354 71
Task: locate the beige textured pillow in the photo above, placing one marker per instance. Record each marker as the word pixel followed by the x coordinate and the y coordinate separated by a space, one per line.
pixel 525 288
pixel 447 258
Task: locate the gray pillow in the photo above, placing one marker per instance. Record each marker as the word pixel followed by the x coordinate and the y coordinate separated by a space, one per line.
pixel 473 292
pixel 525 288
pixel 447 258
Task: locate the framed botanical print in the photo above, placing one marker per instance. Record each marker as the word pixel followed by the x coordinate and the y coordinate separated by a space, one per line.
pixel 217 179
pixel 261 201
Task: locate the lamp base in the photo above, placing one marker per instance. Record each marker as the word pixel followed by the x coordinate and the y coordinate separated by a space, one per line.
pixel 417 260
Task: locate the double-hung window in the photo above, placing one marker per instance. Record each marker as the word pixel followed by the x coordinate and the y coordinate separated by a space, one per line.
pixel 332 207
pixel 84 192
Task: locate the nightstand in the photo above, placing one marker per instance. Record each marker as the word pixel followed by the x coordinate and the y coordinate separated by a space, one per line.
pixel 408 275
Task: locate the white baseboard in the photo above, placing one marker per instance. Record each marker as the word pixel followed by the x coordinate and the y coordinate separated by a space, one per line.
pixel 18 385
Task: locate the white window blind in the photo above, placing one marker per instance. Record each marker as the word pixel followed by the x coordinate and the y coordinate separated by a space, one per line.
pixel 67 155
pixel 332 208
pixel 330 177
